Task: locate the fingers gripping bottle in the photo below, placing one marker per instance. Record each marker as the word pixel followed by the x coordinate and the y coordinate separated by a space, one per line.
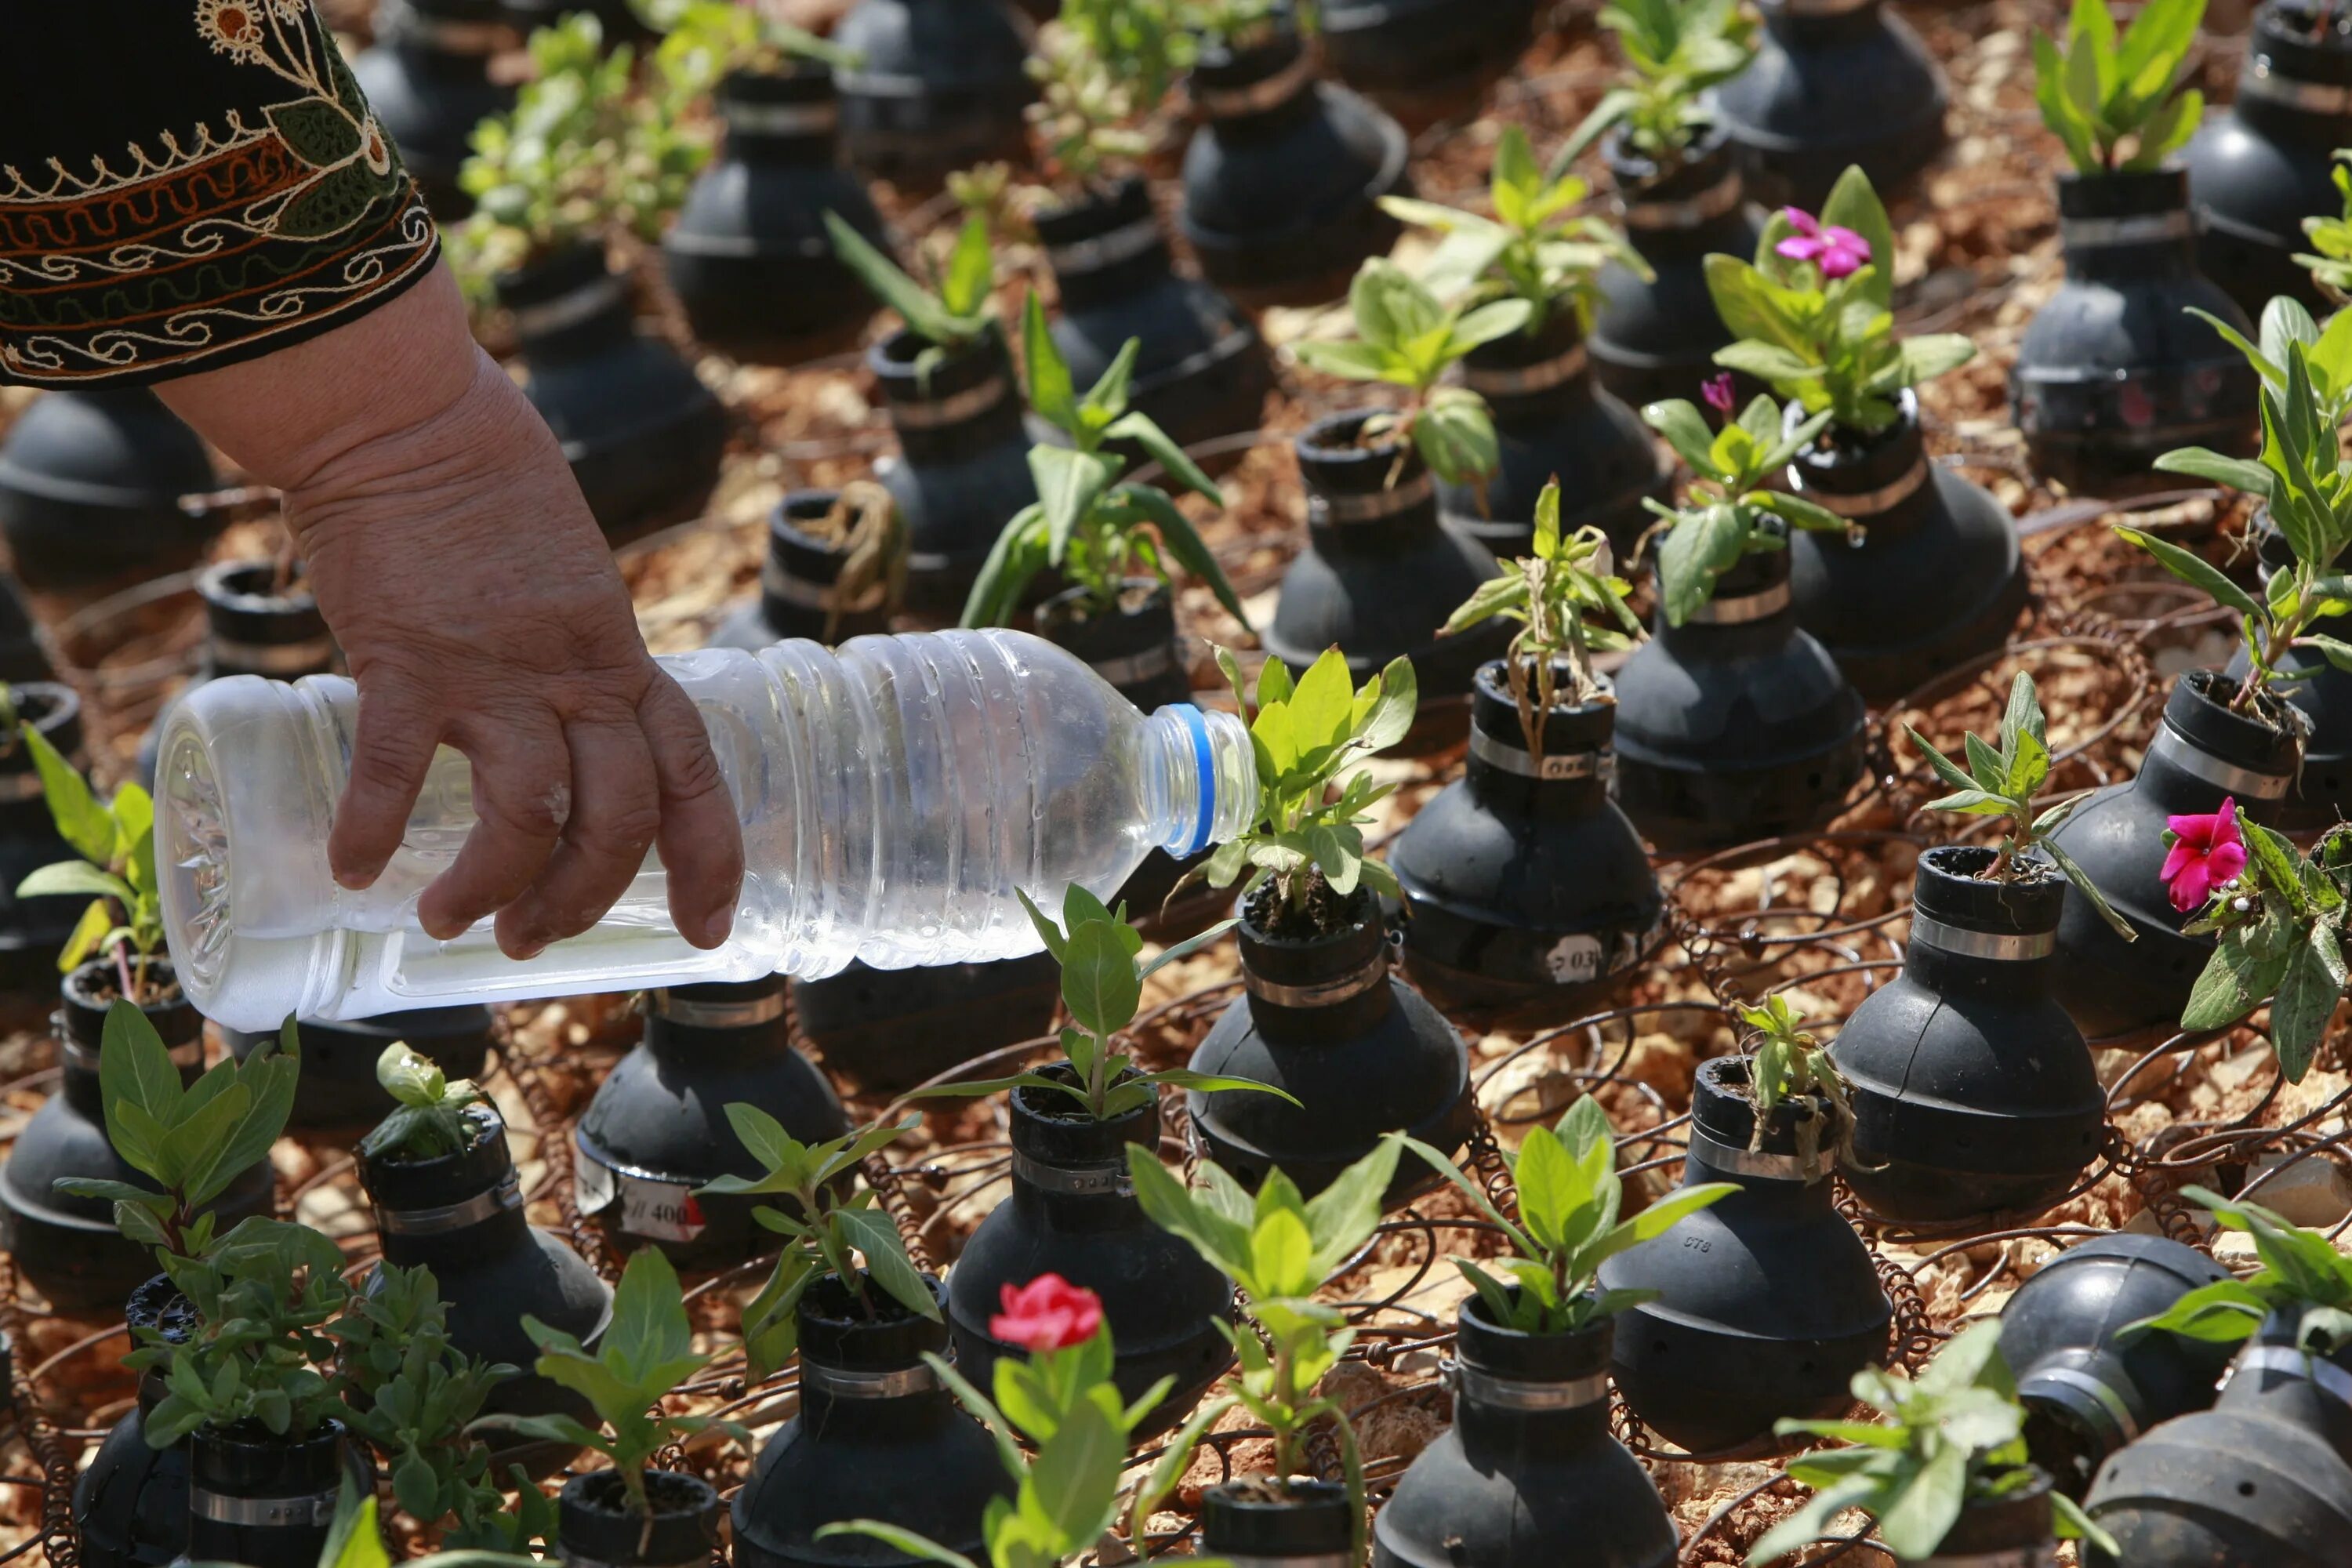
pixel 894 793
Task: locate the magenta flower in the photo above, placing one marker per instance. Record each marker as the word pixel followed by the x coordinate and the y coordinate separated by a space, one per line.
pixel 1716 390
pixel 2207 852
pixel 1838 251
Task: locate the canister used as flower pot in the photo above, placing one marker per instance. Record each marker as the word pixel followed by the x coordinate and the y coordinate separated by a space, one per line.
pixel 2260 1480
pixel 1553 420
pixel 1973 1092
pixel 596 1522
pixel 461 1215
pixel 1363 1053
pixel 1935 578
pixel 877 1436
pixel 266 1500
pixel 1283 179
pixel 658 1128
pixel 1656 339
pixel 65 1247
pixel 1380 572
pixel 796 584
pixel 90 486
pixel 939 86
pixel 1526 889
pixel 2087 1387
pixel 1264 1520
pixel 2016 1528
pixel 2201 755
pixel 337 1088
pixel 427 79
pixel 2320 794
pixel 2260 167
pixel 1529 1475
pixel 33 931
pixel 131 1504
pixel 1767 1302
pixel 886 1030
pixel 1833 83
pixel 1136 649
pixel 1073 1213
pixel 1201 369
pixel 252 626
pixel 1423 60
pixel 1735 725
pixel 641 433
pixel 962 467
pixel 750 258
pixel 2112 372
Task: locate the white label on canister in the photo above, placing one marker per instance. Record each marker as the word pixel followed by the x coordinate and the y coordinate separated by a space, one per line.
pixel 1574 959
pixel 665 1211
pixel 591 1183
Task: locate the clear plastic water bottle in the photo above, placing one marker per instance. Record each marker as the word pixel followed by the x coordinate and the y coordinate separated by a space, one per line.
pixel 893 795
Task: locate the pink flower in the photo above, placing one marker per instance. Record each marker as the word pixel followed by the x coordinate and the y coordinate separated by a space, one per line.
pixel 1049 1313
pixel 1716 390
pixel 2206 852
pixel 1838 251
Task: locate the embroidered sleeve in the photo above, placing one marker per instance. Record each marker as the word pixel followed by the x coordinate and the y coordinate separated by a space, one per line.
pixel 185 184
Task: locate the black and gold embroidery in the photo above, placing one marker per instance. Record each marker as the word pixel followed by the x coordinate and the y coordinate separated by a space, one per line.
pixel 189 249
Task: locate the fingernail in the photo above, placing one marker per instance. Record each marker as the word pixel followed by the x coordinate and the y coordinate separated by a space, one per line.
pixel 712 930
pixel 355 879
pixel 526 949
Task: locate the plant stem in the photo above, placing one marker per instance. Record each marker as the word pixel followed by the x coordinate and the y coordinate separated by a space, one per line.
pixel 122 972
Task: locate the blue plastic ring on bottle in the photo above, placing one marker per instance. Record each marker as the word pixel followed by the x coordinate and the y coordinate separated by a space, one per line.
pixel 1204 771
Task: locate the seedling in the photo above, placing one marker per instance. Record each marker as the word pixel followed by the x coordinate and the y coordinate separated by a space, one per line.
pixel 1103 69
pixel 1094 530
pixel 702 40
pixel 1064 1404
pixel 1278 1247
pixel 2301 1272
pixel 1568 1195
pixel 2279 934
pixel 1569 604
pixel 1674 51
pixel 1951 1437
pixel 264 1298
pixel 1726 514
pixel 1103 973
pixel 825 1231
pixel 2104 91
pixel 646 1351
pixel 116 841
pixel 2306 489
pixel 1536 247
pixel 416 1396
pixel 430 1115
pixel 1406 337
pixel 191 1141
pixel 951 316
pixel 1789 1064
pixel 356 1540
pixel 2002 782
pixel 591 150
pixel 2331 237
pixel 1814 313
pixel 1305 739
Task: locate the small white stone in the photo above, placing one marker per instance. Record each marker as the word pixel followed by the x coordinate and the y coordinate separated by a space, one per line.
pixel 2307 1189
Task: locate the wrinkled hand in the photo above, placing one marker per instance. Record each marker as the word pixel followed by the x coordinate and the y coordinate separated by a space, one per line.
pixel 478 607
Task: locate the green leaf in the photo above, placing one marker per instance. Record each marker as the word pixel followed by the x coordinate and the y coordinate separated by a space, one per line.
pixel 2194 570
pixel 1185 544
pixel 1068 482
pixel 900 1538
pixel 1050 392
pixel 1099 980
pixel 1853 203
pixel 2089 890
pixel 877 1238
pixel 925 316
pixel 81 821
pixel 970 273
pixel 2307 994
pixel 1685 430
pixel 75 876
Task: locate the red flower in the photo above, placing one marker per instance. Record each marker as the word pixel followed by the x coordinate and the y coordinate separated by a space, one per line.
pixel 1716 390
pixel 1838 251
pixel 1049 1313
pixel 2206 852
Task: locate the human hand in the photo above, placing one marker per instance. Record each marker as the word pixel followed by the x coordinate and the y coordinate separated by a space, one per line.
pixel 477 602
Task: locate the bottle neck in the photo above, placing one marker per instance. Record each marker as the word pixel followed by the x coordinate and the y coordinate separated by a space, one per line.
pixel 892 1403
pixel 1089 1198
pixel 1955 962
pixel 1199 778
pixel 461 1235
pixel 1504 1420
pixel 1558 786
